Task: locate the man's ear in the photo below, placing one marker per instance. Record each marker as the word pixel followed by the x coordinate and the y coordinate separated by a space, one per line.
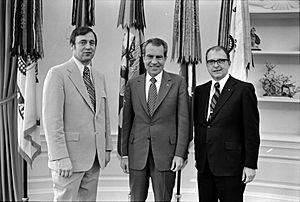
pixel 72 47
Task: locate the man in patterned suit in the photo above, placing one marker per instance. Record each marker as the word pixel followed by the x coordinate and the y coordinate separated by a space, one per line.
pixel 76 121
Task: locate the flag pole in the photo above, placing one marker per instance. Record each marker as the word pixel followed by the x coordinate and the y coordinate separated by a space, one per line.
pixel 25 188
pixel 178 195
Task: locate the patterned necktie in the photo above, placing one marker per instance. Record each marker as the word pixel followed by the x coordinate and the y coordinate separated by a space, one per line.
pixel 152 96
pixel 89 86
pixel 214 98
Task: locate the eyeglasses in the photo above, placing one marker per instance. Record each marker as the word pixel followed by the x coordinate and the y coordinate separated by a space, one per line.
pixel 218 61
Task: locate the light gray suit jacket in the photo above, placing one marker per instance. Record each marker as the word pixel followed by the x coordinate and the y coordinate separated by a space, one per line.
pixel 72 128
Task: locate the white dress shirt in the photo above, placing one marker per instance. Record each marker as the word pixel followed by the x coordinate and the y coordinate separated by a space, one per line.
pixel 157 83
pixel 81 67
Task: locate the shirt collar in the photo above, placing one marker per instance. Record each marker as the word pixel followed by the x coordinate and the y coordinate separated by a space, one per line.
pixel 222 82
pixel 80 65
pixel 158 77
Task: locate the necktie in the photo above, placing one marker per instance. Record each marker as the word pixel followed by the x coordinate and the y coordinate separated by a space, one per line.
pixel 89 86
pixel 214 98
pixel 152 96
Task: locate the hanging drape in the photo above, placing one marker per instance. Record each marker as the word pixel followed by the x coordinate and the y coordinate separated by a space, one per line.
pixel 27 44
pixel 186 45
pixel 11 163
pixel 224 25
pixel 132 19
pixel 83 13
pixel 234 34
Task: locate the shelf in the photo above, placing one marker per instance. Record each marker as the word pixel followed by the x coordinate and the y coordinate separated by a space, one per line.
pixel 287 53
pixel 278 99
pixel 274 15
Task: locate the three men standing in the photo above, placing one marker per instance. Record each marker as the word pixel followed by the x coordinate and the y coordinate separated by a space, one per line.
pixel 155 130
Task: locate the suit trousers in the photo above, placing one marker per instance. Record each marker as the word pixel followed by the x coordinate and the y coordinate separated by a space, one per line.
pixel 162 182
pixel 81 186
pixel 225 188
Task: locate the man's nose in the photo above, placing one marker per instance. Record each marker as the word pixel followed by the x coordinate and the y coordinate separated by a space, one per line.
pixel 154 60
pixel 88 45
pixel 216 64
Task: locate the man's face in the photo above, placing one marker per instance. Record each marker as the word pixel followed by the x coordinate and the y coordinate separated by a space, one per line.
pixel 217 64
pixel 154 59
pixel 84 48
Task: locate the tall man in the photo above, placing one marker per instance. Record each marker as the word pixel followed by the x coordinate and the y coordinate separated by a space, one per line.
pixel 155 135
pixel 76 121
pixel 226 121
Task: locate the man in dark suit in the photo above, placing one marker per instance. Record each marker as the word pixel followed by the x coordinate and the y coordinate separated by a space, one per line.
pixel 155 137
pixel 226 121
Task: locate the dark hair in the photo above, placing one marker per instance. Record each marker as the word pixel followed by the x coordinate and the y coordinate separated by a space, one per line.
pixel 218 48
pixel 81 31
pixel 156 42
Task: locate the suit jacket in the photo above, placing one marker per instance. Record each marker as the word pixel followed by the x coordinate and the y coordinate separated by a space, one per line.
pixel 167 130
pixel 230 140
pixel 72 128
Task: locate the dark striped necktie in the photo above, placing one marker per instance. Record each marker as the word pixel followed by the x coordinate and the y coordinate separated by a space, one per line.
pixel 214 98
pixel 152 96
pixel 89 86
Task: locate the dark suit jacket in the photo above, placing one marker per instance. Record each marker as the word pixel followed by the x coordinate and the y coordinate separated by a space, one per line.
pixel 230 141
pixel 167 130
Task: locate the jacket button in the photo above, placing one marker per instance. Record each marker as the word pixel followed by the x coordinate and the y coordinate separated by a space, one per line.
pixel 208 126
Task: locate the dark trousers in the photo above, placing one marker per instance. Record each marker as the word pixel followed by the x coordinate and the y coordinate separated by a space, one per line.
pixel 225 188
pixel 162 182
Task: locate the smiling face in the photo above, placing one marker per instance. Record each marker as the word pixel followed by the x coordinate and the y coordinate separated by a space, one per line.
pixel 217 64
pixel 154 59
pixel 84 48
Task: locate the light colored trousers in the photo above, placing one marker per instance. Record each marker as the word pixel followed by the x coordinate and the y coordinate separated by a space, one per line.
pixel 81 186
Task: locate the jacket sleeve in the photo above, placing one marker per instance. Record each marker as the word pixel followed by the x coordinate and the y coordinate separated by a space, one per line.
pixel 128 116
pixel 251 126
pixel 108 139
pixel 52 112
pixel 183 121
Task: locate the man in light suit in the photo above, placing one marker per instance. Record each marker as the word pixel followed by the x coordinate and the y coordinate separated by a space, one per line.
pixel 76 121
pixel 226 121
pixel 155 138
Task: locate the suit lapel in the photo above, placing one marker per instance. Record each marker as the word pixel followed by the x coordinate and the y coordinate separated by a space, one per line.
pixel 164 88
pixel 99 88
pixel 141 91
pixel 205 98
pixel 77 80
pixel 225 95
